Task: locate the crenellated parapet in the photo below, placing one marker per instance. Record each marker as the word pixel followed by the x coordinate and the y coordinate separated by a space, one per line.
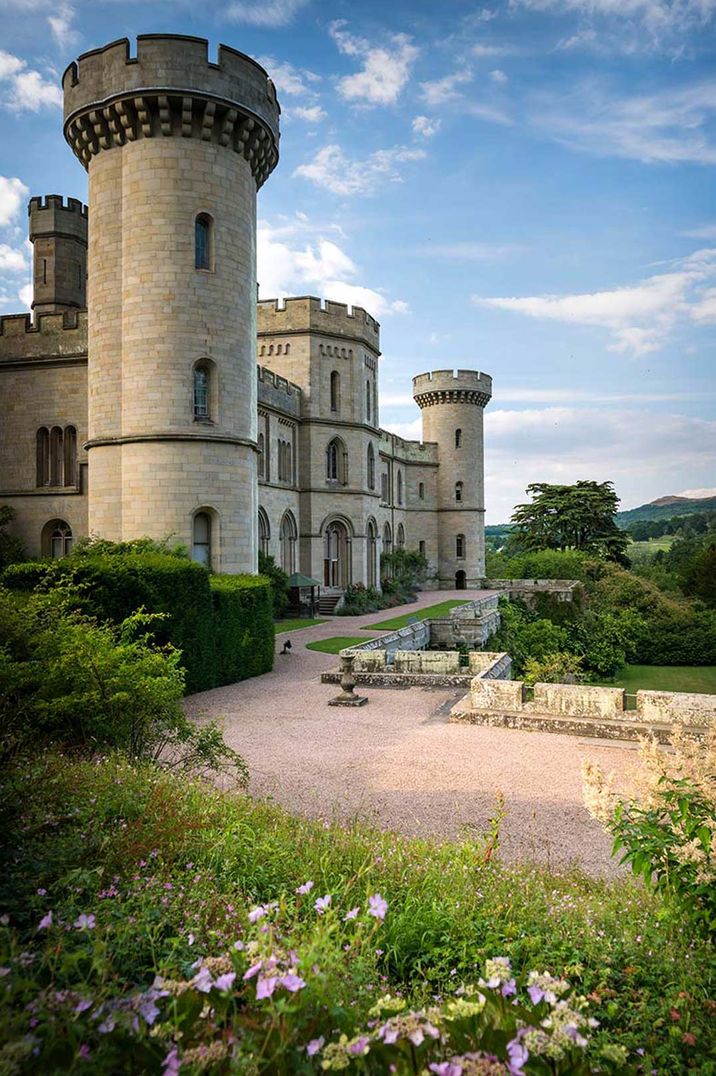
pixel 52 215
pixel 452 386
pixel 278 393
pixel 51 337
pixel 308 314
pixel 171 89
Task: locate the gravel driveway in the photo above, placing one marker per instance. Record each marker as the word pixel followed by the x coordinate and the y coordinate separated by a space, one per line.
pixel 398 763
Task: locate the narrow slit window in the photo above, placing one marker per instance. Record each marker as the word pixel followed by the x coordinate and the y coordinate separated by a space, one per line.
pixel 203 241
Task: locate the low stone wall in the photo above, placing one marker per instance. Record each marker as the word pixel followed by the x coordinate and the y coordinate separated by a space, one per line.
pixel 427 661
pixel 423 668
pixel 688 707
pixel 412 637
pixel 528 589
pixel 488 665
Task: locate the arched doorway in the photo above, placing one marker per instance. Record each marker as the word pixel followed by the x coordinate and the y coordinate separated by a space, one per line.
pixel 460 580
pixel 336 555
pixel 372 540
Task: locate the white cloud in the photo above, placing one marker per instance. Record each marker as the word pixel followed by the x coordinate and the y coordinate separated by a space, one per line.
pixel 25 295
pixel 467 250
pixel 697 493
pixel 332 170
pixel 13 193
pixel 440 90
pixel 294 257
pixel 662 128
pixel 423 125
pixel 630 25
pixel 484 51
pixel 498 76
pixel 311 114
pixel 269 13
pixel 60 23
pixel 385 70
pixel 27 90
pixel 12 259
pixel 639 317
pixel 290 80
pixel 707 232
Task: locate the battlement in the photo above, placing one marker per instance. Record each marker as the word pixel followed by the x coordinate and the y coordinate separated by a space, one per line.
pixel 53 336
pixel 452 386
pixel 51 215
pixel 171 87
pixel 391 444
pixel 278 392
pixel 306 313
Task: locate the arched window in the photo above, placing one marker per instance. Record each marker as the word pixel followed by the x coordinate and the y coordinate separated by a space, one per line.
pixel 337 551
pixel 421 548
pixel 42 443
pixel 57 459
pixel 458 491
pixel 372 536
pixel 203 242
pixel 400 537
pixel 336 462
pixel 70 438
pixel 400 487
pixel 335 391
pixel 264 532
pixel 387 539
pixel 458 438
pixel 287 538
pixel 201 539
pixel 289 462
pixel 201 391
pixel 371 467
pixel 460 546
pixel 421 490
pixel 261 441
pixel 384 487
pixel 56 538
pixel 368 398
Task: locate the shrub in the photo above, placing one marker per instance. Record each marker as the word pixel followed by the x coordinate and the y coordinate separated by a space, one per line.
pixel 545 564
pixel 359 599
pixel 242 627
pixel 279 583
pixel 561 668
pixel 524 635
pixel 11 548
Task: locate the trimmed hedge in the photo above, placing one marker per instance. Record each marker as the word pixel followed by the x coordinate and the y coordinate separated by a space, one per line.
pixel 223 625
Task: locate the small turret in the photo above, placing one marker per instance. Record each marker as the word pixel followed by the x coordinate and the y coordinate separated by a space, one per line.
pixel 58 233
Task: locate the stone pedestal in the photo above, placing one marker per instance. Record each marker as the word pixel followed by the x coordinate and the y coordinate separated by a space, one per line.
pixel 347 696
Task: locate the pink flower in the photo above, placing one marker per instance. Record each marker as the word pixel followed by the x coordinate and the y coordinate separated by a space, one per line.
pixel 351 914
pixel 360 1047
pixel 377 906
pixel 225 982
pixel 314 1046
pixel 292 982
pixel 305 888
pixel 42 892
pixel 203 981
pixel 83 1004
pixel 84 922
pixel 172 1063
pixel 265 987
pixel 85 1053
pixel 323 904
pixel 257 913
pixel 46 922
pixel 253 970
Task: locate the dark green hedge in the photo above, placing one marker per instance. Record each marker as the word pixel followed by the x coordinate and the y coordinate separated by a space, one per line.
pixel 222 624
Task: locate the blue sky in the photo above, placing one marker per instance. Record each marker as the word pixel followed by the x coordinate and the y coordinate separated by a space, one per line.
pixel 524 187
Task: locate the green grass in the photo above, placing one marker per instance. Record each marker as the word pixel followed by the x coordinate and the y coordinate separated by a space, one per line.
pixel 441 609
pixel 700 678
pixel 295 624
pixel 335 644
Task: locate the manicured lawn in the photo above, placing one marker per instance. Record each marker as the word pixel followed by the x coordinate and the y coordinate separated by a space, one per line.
pixel 296 624
pixel 701 678
pixel 334 644
pixel 441 609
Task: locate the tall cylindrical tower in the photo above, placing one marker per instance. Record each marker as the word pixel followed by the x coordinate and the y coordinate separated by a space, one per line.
pixel 452 404
pixel 176 148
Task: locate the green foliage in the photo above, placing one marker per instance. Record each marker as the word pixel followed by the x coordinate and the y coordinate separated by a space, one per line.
pixel 279 583
pixel 560 668
pixel 12 550
pixel 524 635
pixel 607 640
pixel 111 585
pixel 426 612
pixel 69 680
pixel 403 569
pixel 169 870
pixel 699 580
pixel 541 564
pixel 571 517
pixel 359 599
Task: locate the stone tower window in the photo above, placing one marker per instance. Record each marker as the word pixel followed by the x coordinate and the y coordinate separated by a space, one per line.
pixel 368 398
pixel 371 467
pixel 201 539
pixel 458 491
pixel 421 548
pixel 387 539
pixel 201 392
pixel 42 443
pixel 460 546
pixel 400 487
pixel 458 438
pixel 264 532
pixel 287 537
pixel 70 447
pixel 56 456
pixel 400 538
pixel 56 538
pixel 336 462
pixel 261 446
pixel 421 490
pixel 335 391
pixel 203 242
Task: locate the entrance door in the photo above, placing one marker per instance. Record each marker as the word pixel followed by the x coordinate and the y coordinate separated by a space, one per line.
pixel 336 555
pixel 460 580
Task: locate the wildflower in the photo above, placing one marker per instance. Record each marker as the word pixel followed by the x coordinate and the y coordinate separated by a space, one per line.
pixel 149 1010
pixel 46 922
pixel 107 1026
pixel 257 913
pixel 292 982
pixel 190 939
pixel 4 972
pixel 84 1052
pixel 314 1046
pixel 203 981
pixel 84 922
pixel 497 971
pixel 377 906
pixel 172 1063
pixel 323 904
pixel 42 892
pixel 238 945
pixel 225 982
pixel 351 914
pixel 536 993
pixel 445 1068
pixel 305 888
pixel 83 1004
pixel 265 987
pixel 253 970
pixel 518 1055
pixel 359 1047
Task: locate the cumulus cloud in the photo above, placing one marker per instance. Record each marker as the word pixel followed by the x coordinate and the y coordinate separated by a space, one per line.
pixel 13 194
pixel 310 113
pixel 332 170
pixel 294 257
pixel 269 13
pixel 385 70
pixel 440 90
pixel 24 89
pixel 289 80
pixel 12 259
pixel 639 317
pixel 423 125
pixel 61 25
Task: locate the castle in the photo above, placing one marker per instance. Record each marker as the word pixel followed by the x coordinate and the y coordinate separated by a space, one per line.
pixel 133 400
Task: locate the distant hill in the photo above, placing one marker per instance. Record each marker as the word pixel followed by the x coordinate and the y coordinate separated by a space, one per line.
pixel 665 507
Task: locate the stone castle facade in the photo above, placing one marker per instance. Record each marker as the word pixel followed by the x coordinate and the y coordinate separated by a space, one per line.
pixel 133 401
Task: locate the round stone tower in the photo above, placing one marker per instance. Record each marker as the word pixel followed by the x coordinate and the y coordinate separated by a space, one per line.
pixel 176 147
pixel 452 404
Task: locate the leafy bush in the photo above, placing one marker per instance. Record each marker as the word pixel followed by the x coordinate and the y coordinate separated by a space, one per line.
pixel 405 569
pixel 68 680
pixel 110 586
pixel 561 668
pixel 359 599
pixel 543 564
pixel 666 827
pixel 524 635
pixel 11 548
pixel 279 583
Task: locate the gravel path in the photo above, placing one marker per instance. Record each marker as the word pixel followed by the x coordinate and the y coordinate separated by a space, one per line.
pixel 398 763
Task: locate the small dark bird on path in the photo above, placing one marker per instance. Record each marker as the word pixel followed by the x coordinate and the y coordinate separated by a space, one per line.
pixel 286 647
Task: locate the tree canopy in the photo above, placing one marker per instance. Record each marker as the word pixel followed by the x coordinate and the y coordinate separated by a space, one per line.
pixel 571 517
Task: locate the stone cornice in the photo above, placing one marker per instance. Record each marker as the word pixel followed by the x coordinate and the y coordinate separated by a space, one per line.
pixel 148 438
